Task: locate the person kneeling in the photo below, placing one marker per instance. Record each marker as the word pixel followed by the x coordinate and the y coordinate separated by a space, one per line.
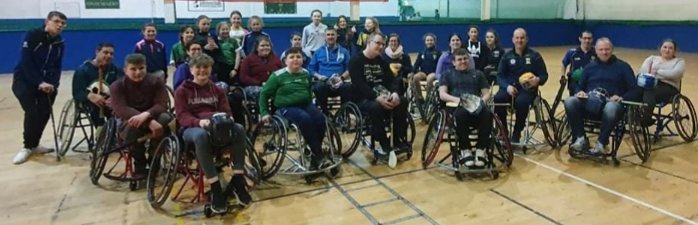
pixel 202 112
pixel 462 82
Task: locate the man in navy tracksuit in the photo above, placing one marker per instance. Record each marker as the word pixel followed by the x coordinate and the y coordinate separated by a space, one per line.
pixel 577 58
pixel 36 80
pixel 514 63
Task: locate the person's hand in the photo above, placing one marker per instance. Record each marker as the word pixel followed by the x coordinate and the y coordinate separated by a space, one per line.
pixel 581 94
pixel 394 99
pixel 233 73
pixel 211 45
pixel 616 98
pixel 204 123
pixel 383 102
pixel 155 128
pixel 138 120
pixel 563 79
pixel 534 82
pixel 46 87
pixel 266 119
pixel 98 100
pixel 320 77
pixel 107 102
pixel 653 71
pixel 353 29
pixel 512 90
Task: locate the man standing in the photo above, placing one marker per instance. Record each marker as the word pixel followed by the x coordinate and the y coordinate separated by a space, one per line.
pixel 515 63
pixel 36 79
pixel 575 59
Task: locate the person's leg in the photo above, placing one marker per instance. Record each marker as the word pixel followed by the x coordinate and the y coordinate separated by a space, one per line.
pixel 522 104
pixel 502 97
pixel 611 114
pixel 305 123
pixel 344 92
pixel 322 92
pixel 96 115
pixel 204 155
pixel 483 121
pixel 137 150
pixel 400 124
pixel 461 117
pixel 378 115
pixel 27 100
pixel 575 116
pixel 418 77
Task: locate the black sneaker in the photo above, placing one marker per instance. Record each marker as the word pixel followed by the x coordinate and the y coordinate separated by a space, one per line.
pixel 219 203
pixel 239 183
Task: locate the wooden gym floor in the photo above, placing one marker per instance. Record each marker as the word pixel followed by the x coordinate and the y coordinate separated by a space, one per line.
pixel 543 186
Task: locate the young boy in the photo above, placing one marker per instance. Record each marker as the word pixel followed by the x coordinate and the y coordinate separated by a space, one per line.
pixel 139 100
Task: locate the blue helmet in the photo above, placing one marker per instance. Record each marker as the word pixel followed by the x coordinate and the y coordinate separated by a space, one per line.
pixel 646 80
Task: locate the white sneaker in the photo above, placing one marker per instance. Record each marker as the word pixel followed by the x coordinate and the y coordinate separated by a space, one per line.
pixel 22 156
pixel 598 149
pixel 392 159
pixel 479 157
pixel 468 156
pixel 579 144
pixel 41 149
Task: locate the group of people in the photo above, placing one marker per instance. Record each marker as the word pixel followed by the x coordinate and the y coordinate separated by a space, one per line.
pixel 368 68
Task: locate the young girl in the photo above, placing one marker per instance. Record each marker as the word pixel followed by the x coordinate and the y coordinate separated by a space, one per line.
pixel 425 65
pixel 153 50
pixel 296 42
pixel 229 46
pixel 313 35
pixel 344 33
pixel 255 24
pixel 477 52
pixel 178 54
pixel 370 26
pixel 256 67
pixel 445 61
pixel 494 55
pixel 397 58
pixel 236 30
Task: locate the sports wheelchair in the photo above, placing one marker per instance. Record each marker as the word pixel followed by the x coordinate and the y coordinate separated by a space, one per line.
pixel 539 117
pixel 74 116
pixel 683 116
pixel 279 139
pixel 174 164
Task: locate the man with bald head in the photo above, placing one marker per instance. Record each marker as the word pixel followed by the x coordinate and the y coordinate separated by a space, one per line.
pixel 515 63
pixel 607 74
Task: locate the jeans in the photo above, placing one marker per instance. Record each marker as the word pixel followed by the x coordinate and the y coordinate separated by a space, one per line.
pixel 323 91
pixel 205 150
pixel 522 102
pixel 37 107
pixel 311 122
pixel 610 115
pixel 131 134
pixel 379 120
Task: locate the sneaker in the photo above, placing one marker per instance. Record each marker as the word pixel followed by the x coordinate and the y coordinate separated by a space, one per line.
pixel 579 144
pixel 392 160
pixel 240 185
pixel 598 149
pixel 41 149
pixel 479 157
pixel 468 158
pixel 218 203
pixel 22 156
pixel 516 138
pixel 324 163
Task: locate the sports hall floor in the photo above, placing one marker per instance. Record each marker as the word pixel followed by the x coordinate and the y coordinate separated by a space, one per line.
pixel 543 186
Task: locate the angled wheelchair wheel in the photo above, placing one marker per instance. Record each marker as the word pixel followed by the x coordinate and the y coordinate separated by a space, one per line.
pixel 411 130
pixel 430 105
pixel 67 123
pixel 269 140
pixel 253 169
pixel 348 121
pixel 170 99
pixel 684 115
pixel 105 141
pixel 433 138
pixel 546 121
pixel 639 135
pixel 503 152
pixel 248 122
pixel 563 132
pixel 163 171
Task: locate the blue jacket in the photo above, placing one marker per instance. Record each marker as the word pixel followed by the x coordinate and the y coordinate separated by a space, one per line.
pixel 513 65
pixel 42 58
pixel 327 61
pixel 577 58
pixel 426 61
pixel 616 76
pixel 155 55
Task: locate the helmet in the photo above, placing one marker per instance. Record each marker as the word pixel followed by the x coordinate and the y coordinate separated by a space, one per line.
pixel 221 129
pixel 646 80
pixel 525 79
pixel 223 85
pixel 94 88
pixel 471 103
pixel 596 101
pixel 577 74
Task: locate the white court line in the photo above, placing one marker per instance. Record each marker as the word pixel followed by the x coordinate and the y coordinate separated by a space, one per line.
pixel 663 211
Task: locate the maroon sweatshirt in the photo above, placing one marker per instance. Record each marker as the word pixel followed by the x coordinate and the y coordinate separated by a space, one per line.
pixel 254 69
pixel 195 102
pixel 130 98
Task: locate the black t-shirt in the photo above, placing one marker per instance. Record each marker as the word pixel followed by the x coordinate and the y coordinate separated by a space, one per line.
pixel 462 82
pixel 368 73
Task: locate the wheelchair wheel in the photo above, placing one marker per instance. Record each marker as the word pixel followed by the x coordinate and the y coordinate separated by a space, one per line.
pixel 271 140
pixel 170 99
pixel 503 152
pixel 348 121
pixel 546 121
pixel 430 105
pixel 163 171
pixel 684 115
pixel 67 122
pixel 433 138
pixel 411 130
pixel 105 141
pixel 253 169
pixel 248 122
pixel 639 134
pixel 563 132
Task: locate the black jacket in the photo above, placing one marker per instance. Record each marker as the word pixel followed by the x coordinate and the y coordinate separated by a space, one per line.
pixel 42 56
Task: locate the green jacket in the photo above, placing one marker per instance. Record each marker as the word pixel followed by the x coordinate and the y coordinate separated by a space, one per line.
pixel 229 49
pixel 178 55
pixel 287 89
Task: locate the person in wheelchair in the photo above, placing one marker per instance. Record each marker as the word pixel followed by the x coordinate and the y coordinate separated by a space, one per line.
pixel 598 96
pixel 575 59
pixel 139 100
pixel 290 89
pixel 330 66
pixel 380 95
pixel 198 104
pixel 514 64
pixel 668 71
pixel 464 81
pixel 91 83
pixel 424 67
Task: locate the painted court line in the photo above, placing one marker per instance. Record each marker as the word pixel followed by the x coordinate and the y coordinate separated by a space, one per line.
pixel 636 201
pixel 526 207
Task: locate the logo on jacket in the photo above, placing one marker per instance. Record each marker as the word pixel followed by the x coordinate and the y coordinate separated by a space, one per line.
pixel 25 45
pixel 528 61
pixel 512 61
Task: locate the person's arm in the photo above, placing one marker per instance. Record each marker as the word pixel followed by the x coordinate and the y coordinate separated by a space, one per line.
pixel 163 57
pixel 305 45
pixel 179 76
pixel 503 75
pixel 471 63
pixel 173 53
pixel 268 90
pixel 484 86
pixel 358 79
pixel 540 70
pixel 444 96
pixel 675 73
pixel 566 62
pixel 245 71
pixel 118 102
pixel 184 116
pixel 237 52
pixel 314 65
pixel 630 82
pixel 439 65
pixel 137 48
pixel 80 84
pixel 417 63
pixel 31 70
